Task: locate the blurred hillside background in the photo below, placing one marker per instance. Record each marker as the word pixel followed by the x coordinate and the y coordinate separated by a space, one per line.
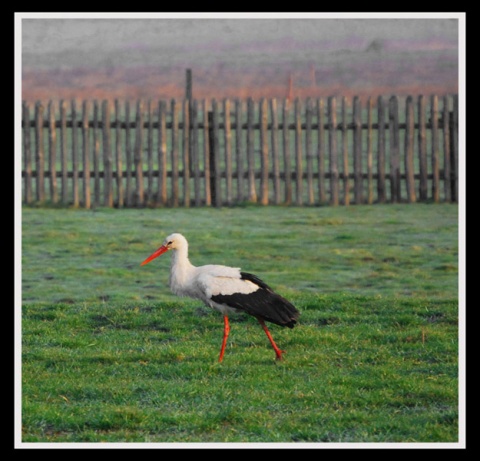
pixel 147 58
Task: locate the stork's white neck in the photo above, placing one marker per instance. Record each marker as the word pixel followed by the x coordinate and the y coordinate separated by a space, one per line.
pixel 180 270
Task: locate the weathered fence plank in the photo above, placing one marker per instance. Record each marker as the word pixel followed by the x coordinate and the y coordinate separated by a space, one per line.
pixel 75 157
pixel 381 181
pixel 186 153
pixel 454 149
pixel 174 153
pixel 107 156
pixel 137 156
pixel 332 144
pixel 214 145
pixel 321 150
pixel 86 155
pixel 298 153
pixel 27 154
pixel 228 150
pixel 195 154
pixel 252 193
pixel 52 152
pixel 128 159
pixel 346 183
pixel 149 195
pixel 309 151
pixel 369 152
pixel 206 153
pixel 162 154
pixel 118 155
pixel 264 164
pixel 275 153
pixel 239 151
pixel 39 152
pixel 357 150
pixel 446 151
pixel 422 149
pixel 394 150
pixel 435 156
pixel 212 156
pixel 215 158
pixel 96 156
pixel 409 137
pixel 286 153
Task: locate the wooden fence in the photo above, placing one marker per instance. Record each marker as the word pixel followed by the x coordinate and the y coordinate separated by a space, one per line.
pixel 196 153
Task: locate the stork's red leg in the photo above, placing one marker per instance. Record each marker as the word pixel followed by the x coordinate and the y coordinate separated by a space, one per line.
pixel 226 330
pixel 278 352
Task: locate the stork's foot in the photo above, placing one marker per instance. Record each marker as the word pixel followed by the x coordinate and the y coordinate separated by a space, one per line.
pixel 279 354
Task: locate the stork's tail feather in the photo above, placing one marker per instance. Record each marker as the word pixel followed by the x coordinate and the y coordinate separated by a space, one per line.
pixel 280 311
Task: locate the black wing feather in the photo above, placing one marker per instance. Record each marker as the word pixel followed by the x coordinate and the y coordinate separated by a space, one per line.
pixel 263 303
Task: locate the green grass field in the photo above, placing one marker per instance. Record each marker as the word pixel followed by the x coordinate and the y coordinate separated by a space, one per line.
pixel 110 355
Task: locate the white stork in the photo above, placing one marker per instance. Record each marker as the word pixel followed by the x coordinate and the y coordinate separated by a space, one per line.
pixel 226 289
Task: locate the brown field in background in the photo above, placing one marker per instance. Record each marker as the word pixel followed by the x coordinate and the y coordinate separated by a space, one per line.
pixel 364 73
pixel 146 83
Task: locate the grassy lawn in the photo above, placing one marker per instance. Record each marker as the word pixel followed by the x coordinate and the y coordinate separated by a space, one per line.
pixel 110 355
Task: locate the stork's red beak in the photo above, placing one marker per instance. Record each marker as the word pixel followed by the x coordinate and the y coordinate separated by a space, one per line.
pixel 154 255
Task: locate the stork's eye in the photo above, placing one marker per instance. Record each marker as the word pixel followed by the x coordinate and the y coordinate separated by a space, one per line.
pixel 169 243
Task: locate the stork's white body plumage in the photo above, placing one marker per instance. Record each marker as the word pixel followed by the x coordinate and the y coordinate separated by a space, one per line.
pixel 226 289
pixel 203 282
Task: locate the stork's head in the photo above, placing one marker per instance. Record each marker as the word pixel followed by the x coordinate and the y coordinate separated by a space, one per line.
pixel 172 242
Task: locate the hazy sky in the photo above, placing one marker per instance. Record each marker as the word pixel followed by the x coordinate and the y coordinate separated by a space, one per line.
pixel 42 37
